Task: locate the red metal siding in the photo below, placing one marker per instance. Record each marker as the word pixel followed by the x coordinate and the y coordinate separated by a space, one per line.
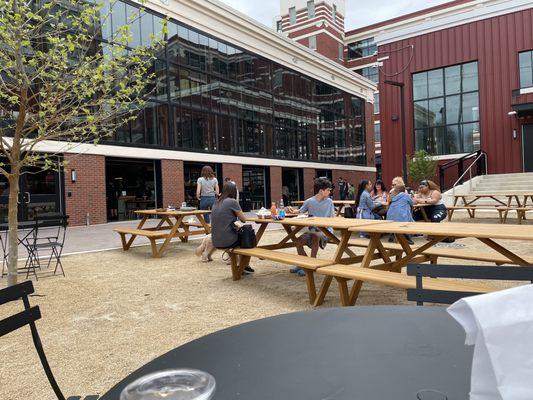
pixel 495 44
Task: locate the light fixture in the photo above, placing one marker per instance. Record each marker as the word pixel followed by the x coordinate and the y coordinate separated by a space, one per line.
pixel 510 113
pixel 73 176
pixel 515 134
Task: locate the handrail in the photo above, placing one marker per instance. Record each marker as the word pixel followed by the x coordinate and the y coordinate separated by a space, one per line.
pixel 459 162
pixel 469 170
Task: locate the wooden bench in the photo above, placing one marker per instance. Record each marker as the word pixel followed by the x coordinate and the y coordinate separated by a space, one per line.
pixel 472 210
pixel 520 213
pixel 344 273
pixel 308 264
pixel 434 253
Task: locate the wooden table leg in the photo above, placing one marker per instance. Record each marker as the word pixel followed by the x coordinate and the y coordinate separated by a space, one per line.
pixel 132 238
pixel 171 234
pixel 311 288
pixel 513 258
pixel 234 267
pixel 323 290
pixel 343 290
pixel 261 231
pixel 204 224
pixel 424 214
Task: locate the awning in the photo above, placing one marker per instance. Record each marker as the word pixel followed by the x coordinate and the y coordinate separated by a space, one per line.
pixel 523 110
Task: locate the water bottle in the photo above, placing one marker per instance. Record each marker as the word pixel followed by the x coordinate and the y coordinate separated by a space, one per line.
pixel 281 205
pixel 281 213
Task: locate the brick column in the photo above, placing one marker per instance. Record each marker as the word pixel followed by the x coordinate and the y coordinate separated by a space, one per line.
pixel 309 182
pixel 87 196
pixel 275 184
pixel 234 171
pixel 172 181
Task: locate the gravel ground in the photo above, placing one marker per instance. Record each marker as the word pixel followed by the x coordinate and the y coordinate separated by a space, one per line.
pixel 116 311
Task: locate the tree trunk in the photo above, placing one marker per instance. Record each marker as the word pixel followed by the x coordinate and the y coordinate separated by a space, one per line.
pixel 12 235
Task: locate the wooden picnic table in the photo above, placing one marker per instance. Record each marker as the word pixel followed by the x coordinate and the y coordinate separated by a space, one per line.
pixel 422 208
pixel 521 198
pixel 172 224
pixel 339 205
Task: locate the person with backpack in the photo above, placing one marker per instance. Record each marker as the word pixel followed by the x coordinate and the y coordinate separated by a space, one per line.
pixel 226 213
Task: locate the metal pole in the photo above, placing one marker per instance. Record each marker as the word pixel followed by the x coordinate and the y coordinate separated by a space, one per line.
pixel 404 144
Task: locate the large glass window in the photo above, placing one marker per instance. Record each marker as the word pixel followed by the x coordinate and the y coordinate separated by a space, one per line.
pixel 312 42
pixel 210 96
pixel 371 73
pixel 376 103
pixel 525 61
pixel 292 15
pixel 446 110
pixel 377 132
pixel 362 48
pixel 311 9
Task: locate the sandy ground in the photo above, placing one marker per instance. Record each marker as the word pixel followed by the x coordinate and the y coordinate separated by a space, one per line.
pixel 116 311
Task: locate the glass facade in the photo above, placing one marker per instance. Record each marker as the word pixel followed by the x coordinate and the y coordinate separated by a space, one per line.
pixel 371 73
pixel 446 110
pixel 362 48
pixel 210 96
pixel 525 63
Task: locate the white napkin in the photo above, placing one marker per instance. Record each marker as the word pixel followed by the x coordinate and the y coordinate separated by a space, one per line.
pixel 500 325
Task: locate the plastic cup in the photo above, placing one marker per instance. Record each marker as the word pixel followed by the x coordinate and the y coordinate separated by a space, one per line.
pixel 179 384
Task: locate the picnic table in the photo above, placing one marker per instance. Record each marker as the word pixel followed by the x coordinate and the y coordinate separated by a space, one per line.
pixel 516 201
pixel 339 205
pixel 172 224
pixel 370 353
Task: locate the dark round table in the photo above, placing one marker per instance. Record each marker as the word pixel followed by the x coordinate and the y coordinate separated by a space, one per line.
pixel 367 353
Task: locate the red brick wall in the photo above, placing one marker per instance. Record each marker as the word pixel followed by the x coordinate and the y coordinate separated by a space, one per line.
pixel 275 183
pixel 88 193
pixel 234 171
pixel 172 181
pixel 309 180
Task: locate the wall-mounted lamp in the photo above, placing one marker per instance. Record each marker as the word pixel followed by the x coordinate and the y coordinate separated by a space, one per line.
pixel 73 176
pixel 515 134
pixel 511 113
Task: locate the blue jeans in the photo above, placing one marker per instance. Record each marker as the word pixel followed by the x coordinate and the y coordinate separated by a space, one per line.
pixel 206 203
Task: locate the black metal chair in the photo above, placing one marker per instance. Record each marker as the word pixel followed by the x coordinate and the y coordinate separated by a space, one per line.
pixel 27 317
pixel 421 295
pixel 52 238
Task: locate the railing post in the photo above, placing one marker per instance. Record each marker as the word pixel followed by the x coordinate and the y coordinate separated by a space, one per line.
pixel 460 169
pixel 441 177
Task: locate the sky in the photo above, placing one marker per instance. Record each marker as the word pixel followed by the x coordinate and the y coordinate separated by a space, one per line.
pixel 360 12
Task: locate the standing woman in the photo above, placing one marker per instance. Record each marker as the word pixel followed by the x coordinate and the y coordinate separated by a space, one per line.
pixel 429 193
pixel 207 190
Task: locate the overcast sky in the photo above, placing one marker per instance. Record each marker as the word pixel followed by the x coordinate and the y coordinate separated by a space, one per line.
pixel 360 12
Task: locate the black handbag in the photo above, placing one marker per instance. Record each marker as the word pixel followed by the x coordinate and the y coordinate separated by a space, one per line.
pixel 247 239
pixel 349 212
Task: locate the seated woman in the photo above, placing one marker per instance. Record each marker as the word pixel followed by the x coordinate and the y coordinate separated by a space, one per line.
pixel 380 197
pixel 225 214
pixel 400 207
pixel 364 203
pixel 429 193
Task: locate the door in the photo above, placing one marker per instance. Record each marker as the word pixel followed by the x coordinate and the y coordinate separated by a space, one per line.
pixel 527 147
pixel 40 193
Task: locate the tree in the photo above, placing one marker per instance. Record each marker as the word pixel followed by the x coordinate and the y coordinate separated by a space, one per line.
pixel 421 166
pixel 59 82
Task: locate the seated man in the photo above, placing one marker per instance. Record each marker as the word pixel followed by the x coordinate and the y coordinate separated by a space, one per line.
pixel 320 205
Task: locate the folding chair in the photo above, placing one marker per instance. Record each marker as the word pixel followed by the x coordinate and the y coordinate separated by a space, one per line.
pixel 421 295
pixel 52 239
pixel 26 317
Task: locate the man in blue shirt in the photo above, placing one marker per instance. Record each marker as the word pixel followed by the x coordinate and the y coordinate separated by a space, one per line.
pixel 320 205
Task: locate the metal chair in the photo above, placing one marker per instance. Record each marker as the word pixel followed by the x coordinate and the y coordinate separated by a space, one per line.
pixel 53 239
pixel 421 295
pixel 27 317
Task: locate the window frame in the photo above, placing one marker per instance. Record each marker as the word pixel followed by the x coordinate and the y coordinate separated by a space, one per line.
pixel 445 125
pixel 520 68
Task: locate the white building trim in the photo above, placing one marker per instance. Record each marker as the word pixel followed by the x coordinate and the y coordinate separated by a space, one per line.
pixel 372 64
pixel 158 154
pixel 218 19
pixel 471 12
pixel 526 90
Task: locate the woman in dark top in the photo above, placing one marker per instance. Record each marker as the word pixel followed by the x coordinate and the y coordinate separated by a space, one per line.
pixel 225 213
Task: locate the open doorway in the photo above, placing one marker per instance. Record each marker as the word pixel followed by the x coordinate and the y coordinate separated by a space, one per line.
pixel 292 184
pixel 130 185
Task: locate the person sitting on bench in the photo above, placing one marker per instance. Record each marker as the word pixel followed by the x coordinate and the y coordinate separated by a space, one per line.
pixel 320 205
pixel 429 193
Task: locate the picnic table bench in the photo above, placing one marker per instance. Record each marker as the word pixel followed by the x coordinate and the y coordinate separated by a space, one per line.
pixel 171 225
pixel 343 259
